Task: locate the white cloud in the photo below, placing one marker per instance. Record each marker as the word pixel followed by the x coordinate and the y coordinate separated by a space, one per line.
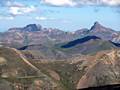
pixel 17 4
pixel 111 2
pixel 41 18
pixel 19 10
pixel 82 2
pixel 60 2
pixel 6 18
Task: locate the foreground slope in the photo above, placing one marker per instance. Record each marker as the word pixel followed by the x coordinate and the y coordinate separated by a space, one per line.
pixel 17 73
pixel 77 72
pixel 83 71
pixel 104 70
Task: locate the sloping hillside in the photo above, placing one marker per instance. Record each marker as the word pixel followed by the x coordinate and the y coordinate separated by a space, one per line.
pixel 16 72
pixel 78 72
pixel 104 70
pixel 87 45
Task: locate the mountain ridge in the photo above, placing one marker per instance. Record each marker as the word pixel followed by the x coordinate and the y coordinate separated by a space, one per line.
pixel 80 41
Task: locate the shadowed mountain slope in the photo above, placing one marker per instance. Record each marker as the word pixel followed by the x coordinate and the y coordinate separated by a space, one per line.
pixel 80 41
pixel 88 45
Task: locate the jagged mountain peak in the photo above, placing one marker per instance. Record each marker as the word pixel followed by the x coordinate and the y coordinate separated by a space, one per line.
pixel 32 27
pixel 96 26
pixel 29 28
pixel 97 23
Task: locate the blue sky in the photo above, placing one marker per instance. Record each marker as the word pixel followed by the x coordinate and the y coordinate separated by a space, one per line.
pixel 68 15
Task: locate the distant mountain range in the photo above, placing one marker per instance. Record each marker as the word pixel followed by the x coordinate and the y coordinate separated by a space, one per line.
pixel 36 58
pixel 56 44
pixel 35 34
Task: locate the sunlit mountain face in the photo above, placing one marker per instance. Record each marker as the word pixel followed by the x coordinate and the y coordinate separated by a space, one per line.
pixel 59 44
